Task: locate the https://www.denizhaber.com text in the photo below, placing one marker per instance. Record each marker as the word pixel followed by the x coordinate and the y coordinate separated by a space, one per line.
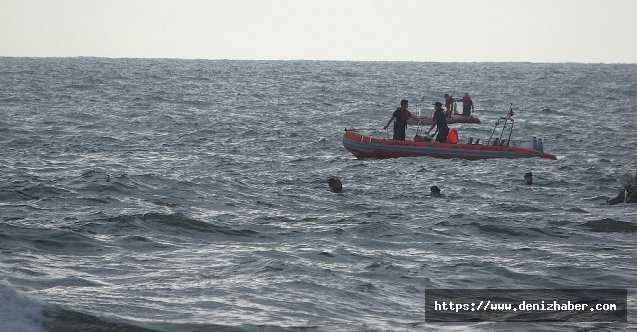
pixel 523 306
pixel 576 305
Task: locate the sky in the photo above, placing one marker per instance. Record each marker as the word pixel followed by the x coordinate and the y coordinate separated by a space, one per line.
pixel 584 31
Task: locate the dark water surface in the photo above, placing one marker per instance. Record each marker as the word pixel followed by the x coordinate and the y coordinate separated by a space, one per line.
pixel 183 195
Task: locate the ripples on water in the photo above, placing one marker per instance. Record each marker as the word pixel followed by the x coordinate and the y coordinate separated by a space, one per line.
pixel 191 195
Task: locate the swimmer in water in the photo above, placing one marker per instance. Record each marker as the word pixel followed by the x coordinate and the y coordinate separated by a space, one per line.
pixel 435 191
pixel 528 177
pixel 335 185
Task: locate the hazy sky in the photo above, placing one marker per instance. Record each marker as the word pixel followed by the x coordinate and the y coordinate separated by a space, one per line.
pixel 406 30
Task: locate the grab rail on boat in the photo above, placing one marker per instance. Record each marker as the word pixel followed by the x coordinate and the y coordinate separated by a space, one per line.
pixel 507 123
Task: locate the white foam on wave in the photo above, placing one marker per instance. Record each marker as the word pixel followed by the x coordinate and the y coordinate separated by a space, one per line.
pixel 18 312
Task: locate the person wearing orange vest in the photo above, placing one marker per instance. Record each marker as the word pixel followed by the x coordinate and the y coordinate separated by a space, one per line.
pixel 467 105
pixel 401 115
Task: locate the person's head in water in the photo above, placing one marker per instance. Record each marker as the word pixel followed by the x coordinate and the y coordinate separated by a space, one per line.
pixel 528 177
pixel 435 191
pixel 335 185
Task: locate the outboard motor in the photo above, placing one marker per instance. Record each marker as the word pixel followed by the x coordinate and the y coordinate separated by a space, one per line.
pixel 533 143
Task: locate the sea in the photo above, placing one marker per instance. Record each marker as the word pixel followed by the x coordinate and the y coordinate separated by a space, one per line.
pixel 192 195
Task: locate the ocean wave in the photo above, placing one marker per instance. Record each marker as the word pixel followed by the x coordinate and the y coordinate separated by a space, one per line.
pixel 61 319
pixel 43 239
pixel 53 318
pixel 141 242
pixel 40 191
pixel 175 223
pixel 69 281
pixel 18 312
pixel 196 190
pixel 496 230
pixel 66 242
pixel 610 226
pixel 102 185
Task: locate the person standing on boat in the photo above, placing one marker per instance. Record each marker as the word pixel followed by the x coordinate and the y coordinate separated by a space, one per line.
pixel 440 121
pixel 467 105
pixel 401 115
pixel 449 101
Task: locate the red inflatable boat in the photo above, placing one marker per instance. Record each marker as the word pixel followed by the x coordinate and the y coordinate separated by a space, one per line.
pixel 363 146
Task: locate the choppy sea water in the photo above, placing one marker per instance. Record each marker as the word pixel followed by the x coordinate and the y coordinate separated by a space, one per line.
pixel 191 195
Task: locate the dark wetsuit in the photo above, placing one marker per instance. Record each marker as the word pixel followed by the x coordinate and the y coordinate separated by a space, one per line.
pixel 441 122
pixel 400 123
pixel 628 194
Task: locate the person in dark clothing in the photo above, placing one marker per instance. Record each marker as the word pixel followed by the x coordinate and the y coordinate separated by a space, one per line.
pixel 467 105
pixel 628 194
pixel 528 178
pixel 401 115
pixel 435 191
pixel 335 185
pixel 440 121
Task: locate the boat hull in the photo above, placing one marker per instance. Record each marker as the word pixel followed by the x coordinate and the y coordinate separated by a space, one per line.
pixel 363 146
pixel 452 119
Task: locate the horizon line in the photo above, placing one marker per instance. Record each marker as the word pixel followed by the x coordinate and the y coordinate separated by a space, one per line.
pixel 308 60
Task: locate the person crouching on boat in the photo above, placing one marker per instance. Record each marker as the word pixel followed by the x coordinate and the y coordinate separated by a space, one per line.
pixel 440 121
pixel 401 115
